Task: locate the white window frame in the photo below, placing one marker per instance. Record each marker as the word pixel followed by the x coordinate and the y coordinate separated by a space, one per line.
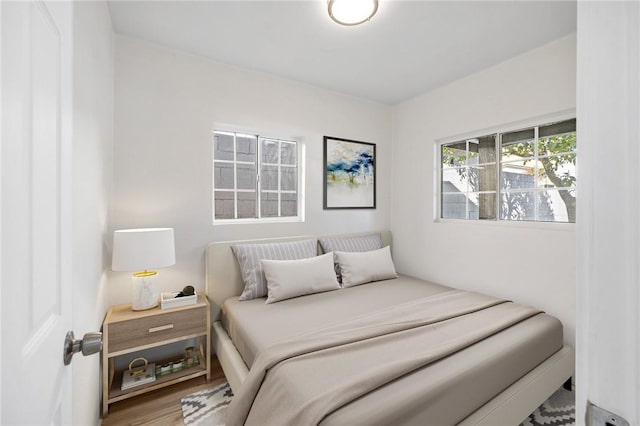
pixel 260 136
pixel 499 130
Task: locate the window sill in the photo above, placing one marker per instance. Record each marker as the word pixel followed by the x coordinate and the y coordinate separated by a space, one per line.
pixel 546 226
pixel 257 221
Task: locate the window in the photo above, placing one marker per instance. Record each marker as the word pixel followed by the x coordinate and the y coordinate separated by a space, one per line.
pixel 523 175
pixel 255 177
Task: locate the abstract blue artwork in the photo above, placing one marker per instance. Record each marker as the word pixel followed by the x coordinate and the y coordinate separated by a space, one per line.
pixel 349 174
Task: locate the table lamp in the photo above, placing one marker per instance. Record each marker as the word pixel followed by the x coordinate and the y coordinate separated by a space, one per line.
pixel 143 250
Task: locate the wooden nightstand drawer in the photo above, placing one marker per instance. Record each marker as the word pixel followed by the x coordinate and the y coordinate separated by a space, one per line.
pixel 157 328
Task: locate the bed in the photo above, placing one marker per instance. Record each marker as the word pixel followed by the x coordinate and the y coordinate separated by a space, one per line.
pixel 496 381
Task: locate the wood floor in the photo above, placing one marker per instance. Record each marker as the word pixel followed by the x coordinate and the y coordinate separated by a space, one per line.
pixel 161 407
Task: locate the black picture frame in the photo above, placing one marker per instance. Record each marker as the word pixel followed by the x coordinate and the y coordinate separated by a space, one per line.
pixel 349 174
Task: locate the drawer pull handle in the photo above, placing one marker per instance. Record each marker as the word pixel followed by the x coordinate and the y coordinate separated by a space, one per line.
pixel 161 328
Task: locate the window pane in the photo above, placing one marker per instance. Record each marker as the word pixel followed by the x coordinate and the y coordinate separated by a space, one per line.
pixel 222 147
pixel 454 179
pixel 557 144
pixel 246 148
pixel 454 154
pixel 223 175
pixel 289 204
pixel 223 202
pixel 269 178
pixel 288 153
pixel 288 178
pixel 480 206
pixel 557 206
pixel 268 204
pixel 485 208
pixel 482 178
pixel 557 171
pixel 482 150
pixel 472 205
pixel 559 128
pixel 270 151
pixel 517 205
pixel 518 175
pixel 518 136
pixel 472 154
pixel 519 144
pixel 246 205
pixel 454 206
pixel 246 176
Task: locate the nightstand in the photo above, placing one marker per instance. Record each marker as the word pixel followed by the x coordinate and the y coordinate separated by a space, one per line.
pixel 126 331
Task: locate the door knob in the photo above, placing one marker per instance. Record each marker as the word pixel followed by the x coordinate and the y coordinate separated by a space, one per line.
pixel 90 344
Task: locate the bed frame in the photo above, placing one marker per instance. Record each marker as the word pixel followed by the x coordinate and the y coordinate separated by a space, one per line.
pixel 510 407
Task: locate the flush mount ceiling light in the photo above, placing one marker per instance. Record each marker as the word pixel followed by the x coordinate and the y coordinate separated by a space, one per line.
pixel 352 12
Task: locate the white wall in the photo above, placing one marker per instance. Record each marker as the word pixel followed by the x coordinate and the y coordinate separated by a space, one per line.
pixel 166 103
pixel 533 264
pixel 608 332
pixel 92 180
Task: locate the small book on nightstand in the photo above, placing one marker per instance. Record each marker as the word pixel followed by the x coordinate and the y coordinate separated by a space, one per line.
pixel 131 379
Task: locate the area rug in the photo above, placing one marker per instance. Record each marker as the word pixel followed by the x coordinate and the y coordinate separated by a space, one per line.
pixel 207 407
pixel 558 410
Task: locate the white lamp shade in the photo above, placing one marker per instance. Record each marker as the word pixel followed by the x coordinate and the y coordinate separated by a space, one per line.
pixel 143 249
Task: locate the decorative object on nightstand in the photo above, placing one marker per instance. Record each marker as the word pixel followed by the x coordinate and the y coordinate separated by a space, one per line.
pixel 143 250
pixel 140 372
pixel 191 358
pixel 173 299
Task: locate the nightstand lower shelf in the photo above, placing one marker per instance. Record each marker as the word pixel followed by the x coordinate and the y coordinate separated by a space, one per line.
pixel 116 394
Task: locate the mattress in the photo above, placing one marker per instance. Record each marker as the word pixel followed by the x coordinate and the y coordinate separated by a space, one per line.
pixel 444 392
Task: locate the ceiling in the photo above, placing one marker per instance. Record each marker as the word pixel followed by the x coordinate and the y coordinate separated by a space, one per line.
pixel 408 47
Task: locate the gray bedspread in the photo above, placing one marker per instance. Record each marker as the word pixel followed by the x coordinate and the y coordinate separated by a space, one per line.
pixel 254 325
pixel 319 376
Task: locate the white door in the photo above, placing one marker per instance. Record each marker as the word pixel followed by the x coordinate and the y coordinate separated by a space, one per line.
pixel 608 224
pixel 36 94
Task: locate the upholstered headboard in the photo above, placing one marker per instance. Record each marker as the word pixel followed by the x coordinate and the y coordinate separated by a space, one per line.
pixel 223 279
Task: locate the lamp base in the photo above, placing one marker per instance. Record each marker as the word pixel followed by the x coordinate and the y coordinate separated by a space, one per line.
pixel 144 291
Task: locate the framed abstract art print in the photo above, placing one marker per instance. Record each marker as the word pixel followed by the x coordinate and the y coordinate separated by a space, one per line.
pixel 349 174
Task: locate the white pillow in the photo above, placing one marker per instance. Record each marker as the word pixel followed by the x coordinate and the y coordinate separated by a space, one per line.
pixel 292 278
pixel 350 243
pixel 250 255
pixel 365 267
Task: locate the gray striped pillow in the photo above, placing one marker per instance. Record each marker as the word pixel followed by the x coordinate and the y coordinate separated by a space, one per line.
pixel 250 255
pixel 354 243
